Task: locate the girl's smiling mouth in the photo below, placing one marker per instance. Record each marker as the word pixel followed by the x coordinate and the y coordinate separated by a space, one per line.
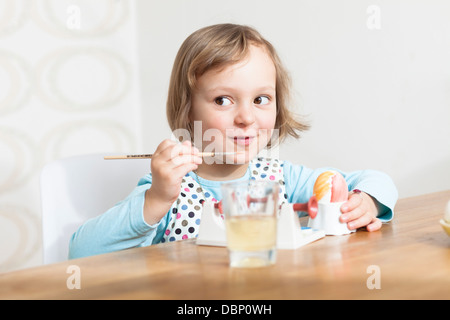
pixel 243 140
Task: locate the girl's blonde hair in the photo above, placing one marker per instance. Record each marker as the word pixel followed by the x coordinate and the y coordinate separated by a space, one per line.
pixel 218 46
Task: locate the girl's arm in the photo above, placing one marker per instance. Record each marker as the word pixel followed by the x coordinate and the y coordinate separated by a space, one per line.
pixel 121 227
pixel 142 217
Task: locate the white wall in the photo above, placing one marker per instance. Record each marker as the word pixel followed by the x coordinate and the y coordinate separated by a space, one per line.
pixel 68 86
pixel 373 77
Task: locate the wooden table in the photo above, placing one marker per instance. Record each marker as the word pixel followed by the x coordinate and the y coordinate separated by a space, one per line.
pixel 409 258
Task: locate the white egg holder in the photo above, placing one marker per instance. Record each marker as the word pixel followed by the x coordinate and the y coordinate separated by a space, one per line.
pixel 327 219
pixel 290 234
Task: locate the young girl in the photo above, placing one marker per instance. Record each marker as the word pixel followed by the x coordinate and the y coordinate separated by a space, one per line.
pixel 229 92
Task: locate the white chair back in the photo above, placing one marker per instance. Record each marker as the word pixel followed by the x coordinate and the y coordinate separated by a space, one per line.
pixel 78 188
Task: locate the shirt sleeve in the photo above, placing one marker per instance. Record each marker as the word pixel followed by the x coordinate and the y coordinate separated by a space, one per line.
pixel 121 227
pixel 300 181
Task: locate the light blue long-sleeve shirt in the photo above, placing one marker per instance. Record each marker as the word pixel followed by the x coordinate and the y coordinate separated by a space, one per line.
pixel 123 226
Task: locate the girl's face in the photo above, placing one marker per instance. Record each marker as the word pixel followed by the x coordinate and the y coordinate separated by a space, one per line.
pixel 236 107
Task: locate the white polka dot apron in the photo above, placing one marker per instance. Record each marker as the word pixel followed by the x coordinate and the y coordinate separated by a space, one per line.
pixel 186 212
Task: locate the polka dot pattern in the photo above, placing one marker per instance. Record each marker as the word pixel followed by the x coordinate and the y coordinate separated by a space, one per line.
pixel 187 210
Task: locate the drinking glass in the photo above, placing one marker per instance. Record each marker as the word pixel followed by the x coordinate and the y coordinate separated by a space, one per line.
pixel 250 210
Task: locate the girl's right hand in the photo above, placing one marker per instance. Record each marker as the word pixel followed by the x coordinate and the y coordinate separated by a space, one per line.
pixel 170 163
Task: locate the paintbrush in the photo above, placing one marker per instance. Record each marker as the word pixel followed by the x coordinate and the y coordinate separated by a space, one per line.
pixel 149 156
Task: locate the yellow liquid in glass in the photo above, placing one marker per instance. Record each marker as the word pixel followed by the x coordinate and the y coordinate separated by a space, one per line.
pixel 251 233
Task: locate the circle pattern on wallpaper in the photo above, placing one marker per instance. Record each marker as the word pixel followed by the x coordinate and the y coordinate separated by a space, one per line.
pixel 17 159
pixel 85 137
pixel 13 15
pixel 82 79
pixel 80 18
pixel 15 82
pixel 20 236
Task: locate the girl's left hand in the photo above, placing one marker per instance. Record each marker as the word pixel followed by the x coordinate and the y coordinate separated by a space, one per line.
pixel 360 211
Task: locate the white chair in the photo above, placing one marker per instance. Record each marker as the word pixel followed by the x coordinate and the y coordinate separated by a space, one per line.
pixel 78 188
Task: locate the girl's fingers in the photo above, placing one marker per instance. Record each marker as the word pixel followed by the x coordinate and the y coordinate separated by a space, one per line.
pixel 183 169
pixel 169 150
pixel 171 155
pixel 186 159
pixel 356 213
pixel 352 215
pixel 164 146
pixel 374 225
pixel 354 200
pixel 360 222
pixel 353 208
pixel 178 150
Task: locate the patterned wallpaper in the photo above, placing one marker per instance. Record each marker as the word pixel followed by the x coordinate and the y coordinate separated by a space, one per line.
pixel 68 86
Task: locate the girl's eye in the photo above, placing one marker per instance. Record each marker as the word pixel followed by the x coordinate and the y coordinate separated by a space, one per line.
pixel 222 101
pixel 261 100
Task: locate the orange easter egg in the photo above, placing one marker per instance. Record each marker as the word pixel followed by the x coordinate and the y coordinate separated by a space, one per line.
pixel 331 186
pixel 322 186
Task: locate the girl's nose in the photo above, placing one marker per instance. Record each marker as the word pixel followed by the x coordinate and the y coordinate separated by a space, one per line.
pixel 245 115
